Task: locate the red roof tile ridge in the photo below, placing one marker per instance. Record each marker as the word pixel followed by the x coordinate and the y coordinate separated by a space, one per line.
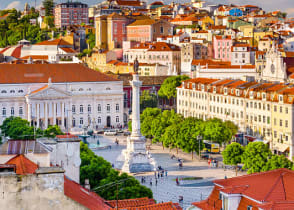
pixel 275 185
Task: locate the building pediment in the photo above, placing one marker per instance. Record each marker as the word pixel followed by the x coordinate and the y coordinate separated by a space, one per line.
pixel 48 92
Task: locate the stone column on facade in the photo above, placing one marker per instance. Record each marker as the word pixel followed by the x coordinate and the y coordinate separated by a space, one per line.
pixel 46 114
pixel 62 114
pixel 54 113
pixel 38 115
pixel 69 116
pixel 29 111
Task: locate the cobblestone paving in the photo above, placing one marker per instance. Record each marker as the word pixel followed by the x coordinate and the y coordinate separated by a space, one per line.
pixel 166 189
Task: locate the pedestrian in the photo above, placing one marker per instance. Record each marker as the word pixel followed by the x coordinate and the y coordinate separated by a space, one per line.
pixel 165 172
pixel 158 174
pixel 155 174
pixel 151 182
pixel 155 182
pixel 161 174
pixel 142 179
pixel 177 181
pixel 112 165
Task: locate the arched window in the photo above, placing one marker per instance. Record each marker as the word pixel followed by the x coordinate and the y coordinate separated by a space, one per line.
pixel 4 111
pixel 20 91
pixel 81 109
pixel 12 91
pixel 89 108
pixel 12 111
pixel 3 91
pixel 99 108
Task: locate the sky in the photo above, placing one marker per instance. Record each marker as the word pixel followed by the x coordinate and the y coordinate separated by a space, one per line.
pixel 268 5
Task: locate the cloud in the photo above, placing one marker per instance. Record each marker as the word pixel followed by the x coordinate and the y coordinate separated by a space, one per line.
pixel 14 4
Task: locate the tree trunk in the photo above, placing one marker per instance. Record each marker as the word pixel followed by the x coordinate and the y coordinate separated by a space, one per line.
pixel 177 150
pixel 162 145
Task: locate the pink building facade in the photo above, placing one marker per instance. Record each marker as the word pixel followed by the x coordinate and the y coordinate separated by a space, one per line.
pixel 70 13
pixel 222 47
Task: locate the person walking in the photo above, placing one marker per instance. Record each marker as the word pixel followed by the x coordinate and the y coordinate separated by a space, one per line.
pixel 151 182
pixel 177 181
pixel 165 172
pixel 155 182
pixel 142 180
pixel 155 174
pixel 158 174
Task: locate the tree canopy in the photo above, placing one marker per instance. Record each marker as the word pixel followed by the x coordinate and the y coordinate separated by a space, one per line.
pixel 48 5
pixel 147 99
pixel 18 128
pixel 232 155
pixel 168 88
pixel 102 178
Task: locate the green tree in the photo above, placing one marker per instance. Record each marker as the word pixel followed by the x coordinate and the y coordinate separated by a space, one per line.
pixel 232 155
pixel 217 131
pixel 190 129
pixel 277 161
pixel 171 136
pixel 232 126
pixel 49 21
pixel 48 5
pixel 147 99
pixel 91 40
pixel 147 117
pixel 255 156
pixel 168 88
pixel 103 178
pixel 52 131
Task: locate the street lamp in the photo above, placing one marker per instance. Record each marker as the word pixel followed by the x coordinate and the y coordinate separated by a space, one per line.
pixel 199 138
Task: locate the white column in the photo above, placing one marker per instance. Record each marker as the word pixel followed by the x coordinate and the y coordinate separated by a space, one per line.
pixel 46 115
pixel 69 116
pixel 38 115
pixel 29 112
pixel 136 126
pixel 54 113
pixel 62 114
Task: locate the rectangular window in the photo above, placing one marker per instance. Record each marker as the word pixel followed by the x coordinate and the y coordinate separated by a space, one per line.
pixel 286 123
pixel 281 109
pixel 81 109
pixel 117 107
pixel 286 110
pixel 117 119
pixel 20 112
pixel 99 108
pixel 281 122
pixel 81 121
pixel 108 108
pixel 73 109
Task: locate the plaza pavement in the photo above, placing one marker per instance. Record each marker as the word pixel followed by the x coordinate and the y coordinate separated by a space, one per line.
pixel 166 189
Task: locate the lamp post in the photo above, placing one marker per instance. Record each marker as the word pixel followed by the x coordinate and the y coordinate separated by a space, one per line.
pixel 199 138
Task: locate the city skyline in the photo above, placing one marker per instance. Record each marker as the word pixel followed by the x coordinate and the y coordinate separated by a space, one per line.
pixel 268 5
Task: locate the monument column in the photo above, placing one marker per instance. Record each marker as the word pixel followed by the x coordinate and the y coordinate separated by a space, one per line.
pixel 29 112
pixel 38 115
pixel 135 157
pixel 62 114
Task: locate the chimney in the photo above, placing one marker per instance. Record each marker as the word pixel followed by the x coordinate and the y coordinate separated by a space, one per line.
pixel 87 184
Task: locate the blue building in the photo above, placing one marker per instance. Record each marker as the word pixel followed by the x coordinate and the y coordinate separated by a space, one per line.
pixel 236 12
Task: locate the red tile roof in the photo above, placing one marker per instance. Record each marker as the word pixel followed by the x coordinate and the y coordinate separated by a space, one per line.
pixel 56 42
pixel 68 50
pixel 159 206
pixel 270 188
pixel 23 165
pixel 83 196
pixel 35 57
pixel 136 202
pixel 40 73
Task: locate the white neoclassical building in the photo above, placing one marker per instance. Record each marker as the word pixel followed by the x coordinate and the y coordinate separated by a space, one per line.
pixel 69 95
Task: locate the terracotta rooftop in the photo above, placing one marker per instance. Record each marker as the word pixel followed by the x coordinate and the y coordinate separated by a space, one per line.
pixel 68 50
pixel 35 57
pixel 146 80
pixel 56 42
pixel 40 73
pixel 23 165
pixel 136 202
pixel 83 196
pixel 271 190
pixel 159 206
pixel 142 22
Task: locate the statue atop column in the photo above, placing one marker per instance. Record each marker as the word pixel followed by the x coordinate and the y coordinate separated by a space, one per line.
pixel 136 65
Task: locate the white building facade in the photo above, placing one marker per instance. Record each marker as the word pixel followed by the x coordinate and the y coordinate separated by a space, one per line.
pixel 68 95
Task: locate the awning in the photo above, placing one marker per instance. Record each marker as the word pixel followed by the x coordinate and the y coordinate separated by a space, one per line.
pixel 281 147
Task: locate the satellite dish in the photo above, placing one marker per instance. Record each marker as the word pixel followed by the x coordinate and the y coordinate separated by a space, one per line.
pixel 77 162
pixel 69 151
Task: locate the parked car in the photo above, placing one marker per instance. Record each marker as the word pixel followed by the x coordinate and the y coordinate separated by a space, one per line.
pixel 127 133
pixel 110 133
